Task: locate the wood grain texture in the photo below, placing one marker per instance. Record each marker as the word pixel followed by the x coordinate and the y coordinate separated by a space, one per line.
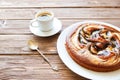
pixel 14 37
pixel 21 27
pixel 58 3
pixel 65 13
pixel 17 44
pixel 17 61
pixel 33 67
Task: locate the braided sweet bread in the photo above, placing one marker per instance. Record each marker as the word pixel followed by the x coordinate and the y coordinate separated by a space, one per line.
pixel 95 47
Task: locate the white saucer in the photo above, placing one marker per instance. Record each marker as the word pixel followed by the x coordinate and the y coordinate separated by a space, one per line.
pixel 57 27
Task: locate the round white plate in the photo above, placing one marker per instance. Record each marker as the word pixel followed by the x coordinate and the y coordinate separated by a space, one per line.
pixel 72 65
pixel 57 27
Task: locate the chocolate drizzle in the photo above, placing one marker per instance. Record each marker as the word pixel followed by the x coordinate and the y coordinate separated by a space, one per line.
pixel 104 40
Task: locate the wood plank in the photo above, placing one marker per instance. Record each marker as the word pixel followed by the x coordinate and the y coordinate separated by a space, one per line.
pixel 14 37
pixel 17 44
pixel 34 68
pixel 59 3
pixel 69 13
pixel 14 27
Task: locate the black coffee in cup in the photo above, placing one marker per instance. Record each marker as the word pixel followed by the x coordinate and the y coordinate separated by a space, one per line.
pixel 44 16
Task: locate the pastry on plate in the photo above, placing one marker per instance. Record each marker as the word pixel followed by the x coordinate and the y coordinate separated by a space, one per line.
pixel 95 46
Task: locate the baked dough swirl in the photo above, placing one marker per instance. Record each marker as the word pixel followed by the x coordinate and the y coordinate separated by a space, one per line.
pixel 95 47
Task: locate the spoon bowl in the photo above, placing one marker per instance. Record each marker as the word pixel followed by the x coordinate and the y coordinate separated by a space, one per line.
pixel 32 45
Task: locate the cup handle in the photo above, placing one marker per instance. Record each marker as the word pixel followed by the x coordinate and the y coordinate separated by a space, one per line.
pixel 34 21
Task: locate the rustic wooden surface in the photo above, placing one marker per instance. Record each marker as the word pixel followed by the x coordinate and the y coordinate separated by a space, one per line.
pixel 17 61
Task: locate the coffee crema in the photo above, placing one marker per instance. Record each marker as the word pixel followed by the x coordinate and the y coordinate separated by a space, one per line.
pixel 44 16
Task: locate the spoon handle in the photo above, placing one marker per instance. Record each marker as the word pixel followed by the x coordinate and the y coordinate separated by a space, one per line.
pixel 47 60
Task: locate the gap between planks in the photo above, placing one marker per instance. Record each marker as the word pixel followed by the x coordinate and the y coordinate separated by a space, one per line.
pixel 60 7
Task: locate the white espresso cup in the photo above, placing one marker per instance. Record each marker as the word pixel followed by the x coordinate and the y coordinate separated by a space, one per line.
pixel 43 20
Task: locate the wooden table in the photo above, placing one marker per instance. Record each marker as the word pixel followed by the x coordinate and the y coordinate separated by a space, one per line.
pixel 17 61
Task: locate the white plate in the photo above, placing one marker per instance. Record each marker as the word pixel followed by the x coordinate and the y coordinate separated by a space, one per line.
pixel 72 65
pixel 57 27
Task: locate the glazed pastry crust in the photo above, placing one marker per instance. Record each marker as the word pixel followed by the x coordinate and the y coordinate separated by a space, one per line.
pixel 95 47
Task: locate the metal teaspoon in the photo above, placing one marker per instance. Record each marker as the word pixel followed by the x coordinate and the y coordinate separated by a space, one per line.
pixel 34 46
